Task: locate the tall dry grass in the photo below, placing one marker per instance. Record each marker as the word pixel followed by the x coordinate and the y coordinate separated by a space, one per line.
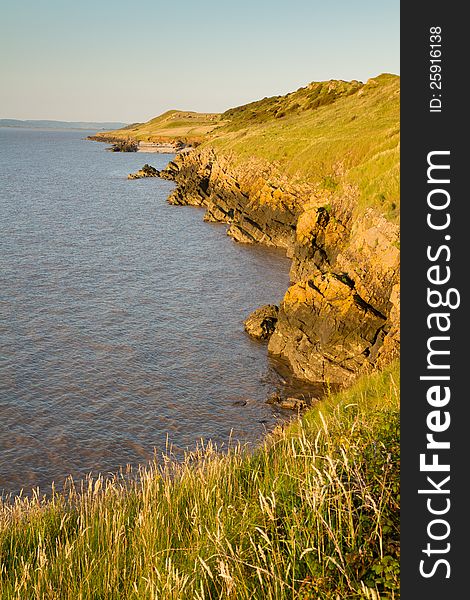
pixel 311 514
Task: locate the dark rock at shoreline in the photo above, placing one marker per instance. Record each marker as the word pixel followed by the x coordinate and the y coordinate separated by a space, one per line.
pixel 124 146
pixel 262 322
pixel 239 403
pixel 169 146
pixel 274 398
pixel 293 404
pixel 289 403
pixel 145 171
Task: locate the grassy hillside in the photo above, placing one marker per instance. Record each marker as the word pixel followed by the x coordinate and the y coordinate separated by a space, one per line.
pixel 329 133
pixel 305 99
pixel 313 513
pixel 172 125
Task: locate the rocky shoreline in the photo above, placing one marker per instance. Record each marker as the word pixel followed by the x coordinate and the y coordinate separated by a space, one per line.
pixel 340 315
pixel 163 147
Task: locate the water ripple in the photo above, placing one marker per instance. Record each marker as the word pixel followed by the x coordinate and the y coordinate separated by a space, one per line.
pixel 120 316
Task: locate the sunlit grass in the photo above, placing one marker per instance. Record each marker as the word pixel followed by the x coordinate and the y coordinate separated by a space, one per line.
pixel 353 140
pixel 313 513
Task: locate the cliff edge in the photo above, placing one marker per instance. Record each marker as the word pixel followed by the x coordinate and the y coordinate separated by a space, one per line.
pixel 322 182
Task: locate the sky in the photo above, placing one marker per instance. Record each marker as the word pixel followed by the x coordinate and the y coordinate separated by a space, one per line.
pixel 116 60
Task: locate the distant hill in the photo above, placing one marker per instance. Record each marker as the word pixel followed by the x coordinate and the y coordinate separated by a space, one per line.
pixel 187 126
pixel 45 124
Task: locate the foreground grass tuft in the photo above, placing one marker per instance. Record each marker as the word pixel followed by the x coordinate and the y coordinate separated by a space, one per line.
pixel 312 514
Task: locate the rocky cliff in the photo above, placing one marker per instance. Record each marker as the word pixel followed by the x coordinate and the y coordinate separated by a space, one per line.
pixel 340 315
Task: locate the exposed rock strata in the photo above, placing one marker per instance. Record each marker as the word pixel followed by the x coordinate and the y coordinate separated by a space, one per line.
pixel 256 202
pixel 340 316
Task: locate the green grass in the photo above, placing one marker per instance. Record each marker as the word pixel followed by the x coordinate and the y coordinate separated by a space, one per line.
pixel 351 137
pixel 311 514
pixel 305 99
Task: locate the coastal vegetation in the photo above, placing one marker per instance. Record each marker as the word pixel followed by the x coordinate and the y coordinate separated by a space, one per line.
pixel 313 513
pixel 331 134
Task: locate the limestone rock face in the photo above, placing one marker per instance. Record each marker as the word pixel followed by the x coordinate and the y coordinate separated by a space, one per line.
pixel 262 322
pixel 326 330
pixel 340 316
pixel 256 202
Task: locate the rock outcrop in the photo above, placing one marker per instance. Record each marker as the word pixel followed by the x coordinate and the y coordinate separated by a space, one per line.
pixel 262 322
pixel 257 202
pixel 124 146
pixel 145 171
pixel 340 316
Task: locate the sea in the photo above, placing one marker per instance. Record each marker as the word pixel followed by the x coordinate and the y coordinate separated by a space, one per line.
pixel 121 317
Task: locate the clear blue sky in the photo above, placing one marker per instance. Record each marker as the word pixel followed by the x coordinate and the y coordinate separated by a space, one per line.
pixel 128 61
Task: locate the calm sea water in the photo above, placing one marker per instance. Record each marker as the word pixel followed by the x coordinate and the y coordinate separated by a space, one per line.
pixel 120 315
